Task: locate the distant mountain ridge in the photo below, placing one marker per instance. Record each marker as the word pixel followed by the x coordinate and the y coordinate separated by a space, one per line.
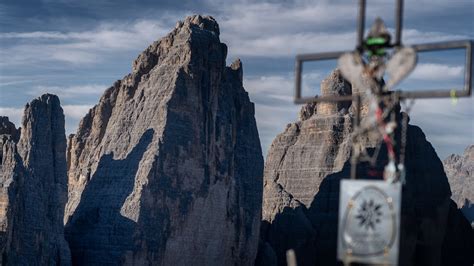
pixel 460 172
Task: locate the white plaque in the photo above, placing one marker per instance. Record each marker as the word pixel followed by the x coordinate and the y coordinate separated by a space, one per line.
pixel 369 221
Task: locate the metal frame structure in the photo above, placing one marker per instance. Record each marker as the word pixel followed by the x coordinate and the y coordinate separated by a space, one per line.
pixel 397 45
pixel 397 95
pixel 449 45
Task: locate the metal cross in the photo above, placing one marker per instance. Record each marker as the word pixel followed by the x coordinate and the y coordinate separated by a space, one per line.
pixel 397 44
pixel 365 67
pixel 370 58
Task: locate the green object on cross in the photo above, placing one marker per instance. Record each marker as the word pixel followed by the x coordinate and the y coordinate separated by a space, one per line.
pixel 379 52
pixel 376 41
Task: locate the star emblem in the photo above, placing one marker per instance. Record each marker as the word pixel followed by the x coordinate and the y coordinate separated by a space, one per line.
pixel 369 214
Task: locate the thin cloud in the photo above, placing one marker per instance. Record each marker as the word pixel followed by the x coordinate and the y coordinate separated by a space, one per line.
pixel 16 82
pixel 437 72
pixel 106 34
pixel 76 112
pixel 72 113
pixel 79 47
pixel 274 108
pixel 272 120
pixel 69 92
pixel 269 85
pixel 455 131
pixel 285 29
pixel 249 29
pixel 13 114
pixel 414 36
pixel 253 19
pixel 35 35
pixel 288 44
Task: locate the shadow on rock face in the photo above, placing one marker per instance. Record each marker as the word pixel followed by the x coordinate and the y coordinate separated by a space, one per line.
pixel 97 232
pixel 310 232
pixel 468 211
pixel 433 230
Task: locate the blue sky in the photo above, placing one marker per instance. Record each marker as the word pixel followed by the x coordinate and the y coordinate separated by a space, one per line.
pixel 76 49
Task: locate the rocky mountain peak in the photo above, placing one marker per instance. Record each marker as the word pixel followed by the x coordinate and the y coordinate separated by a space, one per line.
pixel 237 67
pixel 180 35
pixel 7 127
pixel 8 132
pixel 333 85
pixel 43 126
pixel 460 172
pixel 167 168
pixel 34 188
pixel 469 153
pixel 207 23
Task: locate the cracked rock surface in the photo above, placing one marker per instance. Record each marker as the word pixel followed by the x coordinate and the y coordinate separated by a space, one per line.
pixel 167 168
pixel 460 172
pixel 33 190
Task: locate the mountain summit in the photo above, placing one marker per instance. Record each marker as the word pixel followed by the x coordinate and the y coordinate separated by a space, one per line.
pixel 33 183
pixel 167 168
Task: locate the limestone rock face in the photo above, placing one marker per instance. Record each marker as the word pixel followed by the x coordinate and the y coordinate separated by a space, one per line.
pixel 34 188
pixel 10 169
pixel 303 170
pixel 460 172
pixel 167 168
pixel 7 127
pixel 8 132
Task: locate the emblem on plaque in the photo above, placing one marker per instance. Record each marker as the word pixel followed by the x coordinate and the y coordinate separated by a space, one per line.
pixel 369 221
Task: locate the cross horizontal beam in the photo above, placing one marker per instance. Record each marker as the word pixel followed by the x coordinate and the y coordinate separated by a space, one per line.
pixel 422 94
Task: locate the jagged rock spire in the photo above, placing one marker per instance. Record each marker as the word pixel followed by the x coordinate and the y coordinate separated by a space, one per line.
pixel 34 183
pixel 167 168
